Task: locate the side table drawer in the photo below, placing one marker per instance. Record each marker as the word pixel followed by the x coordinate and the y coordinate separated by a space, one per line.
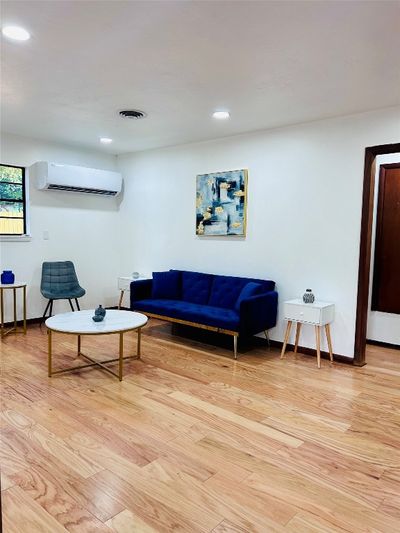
pixel 302 313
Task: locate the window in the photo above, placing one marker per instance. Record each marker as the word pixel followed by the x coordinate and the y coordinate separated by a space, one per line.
pixel 12 200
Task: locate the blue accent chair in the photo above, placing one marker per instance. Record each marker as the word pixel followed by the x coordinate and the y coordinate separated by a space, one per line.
pixel 60 282
pixel 225 304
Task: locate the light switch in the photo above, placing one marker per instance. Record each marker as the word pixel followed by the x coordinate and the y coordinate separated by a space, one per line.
pixel 46 235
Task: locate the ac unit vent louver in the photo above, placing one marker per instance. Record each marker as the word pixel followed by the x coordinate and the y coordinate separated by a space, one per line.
pixel 81 189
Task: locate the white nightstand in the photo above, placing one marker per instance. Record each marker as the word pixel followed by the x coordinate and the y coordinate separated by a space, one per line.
pixel 124 284
pixel 316 314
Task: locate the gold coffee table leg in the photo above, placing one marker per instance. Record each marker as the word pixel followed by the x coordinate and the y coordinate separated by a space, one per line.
pixel 49 352
pixel 139 337
pixel 121 355
pixel 79 345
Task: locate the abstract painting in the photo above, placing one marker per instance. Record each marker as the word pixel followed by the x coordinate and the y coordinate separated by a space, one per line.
pixel 221 199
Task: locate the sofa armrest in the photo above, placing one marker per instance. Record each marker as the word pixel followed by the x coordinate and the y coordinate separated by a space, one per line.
pixel 140 290
pixel 258 313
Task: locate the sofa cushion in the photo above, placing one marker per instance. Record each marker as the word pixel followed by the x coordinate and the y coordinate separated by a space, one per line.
pixel 196 287
pixel 166 285
pixel 250 289
pixel 225 291
pixel 191 312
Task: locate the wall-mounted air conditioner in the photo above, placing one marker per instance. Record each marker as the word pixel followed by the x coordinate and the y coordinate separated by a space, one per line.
pixel 56 177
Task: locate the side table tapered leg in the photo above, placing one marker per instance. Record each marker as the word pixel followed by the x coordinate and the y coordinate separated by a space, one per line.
pixel 287 334
pixel 15 308
pixel 121 298
pixel 296 344
pixel 318 340
pixel 24 307
pixel 329 340
pixel 2 311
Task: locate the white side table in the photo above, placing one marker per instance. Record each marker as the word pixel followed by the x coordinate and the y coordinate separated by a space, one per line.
pixel 124 284
pixel 316 314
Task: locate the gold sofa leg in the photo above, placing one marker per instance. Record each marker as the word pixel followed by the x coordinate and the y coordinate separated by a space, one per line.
pixel 235 338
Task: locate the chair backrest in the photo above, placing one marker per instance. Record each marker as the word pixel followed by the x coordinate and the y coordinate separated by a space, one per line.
pixel 58 277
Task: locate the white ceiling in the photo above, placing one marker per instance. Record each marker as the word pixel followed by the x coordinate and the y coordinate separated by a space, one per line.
pixel 269 63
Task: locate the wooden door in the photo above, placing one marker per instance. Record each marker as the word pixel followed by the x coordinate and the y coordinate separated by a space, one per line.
pixel 386 284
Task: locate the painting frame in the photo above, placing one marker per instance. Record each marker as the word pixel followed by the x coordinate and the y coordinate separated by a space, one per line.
pixel 221 203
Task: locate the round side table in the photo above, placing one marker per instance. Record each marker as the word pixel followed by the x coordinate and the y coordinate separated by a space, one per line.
pixel 13 287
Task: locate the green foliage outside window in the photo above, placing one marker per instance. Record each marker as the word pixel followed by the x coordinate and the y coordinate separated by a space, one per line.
pixel 12 200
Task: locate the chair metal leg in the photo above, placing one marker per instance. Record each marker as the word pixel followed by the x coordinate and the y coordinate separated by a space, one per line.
pixel 70 303
pixel 51 308
pixel 77 304
pixel 45 311
pixel 235 338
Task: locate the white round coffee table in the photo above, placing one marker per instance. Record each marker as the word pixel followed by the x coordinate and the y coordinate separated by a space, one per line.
pixel 80 323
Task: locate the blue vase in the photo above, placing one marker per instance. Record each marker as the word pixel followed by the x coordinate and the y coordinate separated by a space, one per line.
pixel 100 311
pixel 7 277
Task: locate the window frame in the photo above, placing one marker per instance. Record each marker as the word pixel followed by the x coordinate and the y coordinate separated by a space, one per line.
pixel 11 236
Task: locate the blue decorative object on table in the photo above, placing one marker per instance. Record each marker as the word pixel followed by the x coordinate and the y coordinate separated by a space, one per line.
pixel 308 297
pixel 7 277
pixel 100 311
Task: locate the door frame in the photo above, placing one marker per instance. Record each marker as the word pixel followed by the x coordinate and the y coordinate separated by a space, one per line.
pixel 364 267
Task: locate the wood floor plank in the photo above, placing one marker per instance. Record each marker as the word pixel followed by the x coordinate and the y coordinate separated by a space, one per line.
pixel 49 492
pixel 51 443
pixel 241 515
pixel 249 425
pixel 156 505
pixel 22 514
pixel 127 522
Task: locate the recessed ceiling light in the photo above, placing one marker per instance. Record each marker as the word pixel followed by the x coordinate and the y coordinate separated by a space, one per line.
pixel 105 140
pixel 16 33
pixel 221 115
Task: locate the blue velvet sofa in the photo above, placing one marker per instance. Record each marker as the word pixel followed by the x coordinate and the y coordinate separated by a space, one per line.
pixel 225 304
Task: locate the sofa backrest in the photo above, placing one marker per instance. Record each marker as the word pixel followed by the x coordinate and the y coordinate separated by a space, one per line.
pixel 225 290
pixel 216 290
pixel 196 287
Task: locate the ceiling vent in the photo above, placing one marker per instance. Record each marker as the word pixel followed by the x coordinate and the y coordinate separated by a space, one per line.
pixel 133 113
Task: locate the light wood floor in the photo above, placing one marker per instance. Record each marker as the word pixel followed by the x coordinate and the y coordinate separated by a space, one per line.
pixel 193 441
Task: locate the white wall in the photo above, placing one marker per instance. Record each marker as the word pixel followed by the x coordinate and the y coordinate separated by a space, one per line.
pixel 304 210
pixel 383 327
pixel 81 228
